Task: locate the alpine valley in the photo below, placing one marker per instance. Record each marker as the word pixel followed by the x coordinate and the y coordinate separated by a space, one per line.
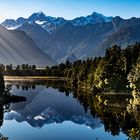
pixel 50 40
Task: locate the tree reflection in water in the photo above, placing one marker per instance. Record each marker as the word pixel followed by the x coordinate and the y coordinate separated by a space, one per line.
pixel 2 137
pixel 112 109
pixel 1 120
pixel 5 99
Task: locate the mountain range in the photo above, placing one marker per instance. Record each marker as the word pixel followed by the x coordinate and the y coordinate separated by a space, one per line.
pixel 79 38
pixel 52 24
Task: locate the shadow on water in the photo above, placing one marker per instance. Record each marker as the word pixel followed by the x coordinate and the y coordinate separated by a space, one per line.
pixel 5 100
pixel 110 108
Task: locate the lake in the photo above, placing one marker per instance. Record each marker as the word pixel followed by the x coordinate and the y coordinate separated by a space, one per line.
pixel 51 113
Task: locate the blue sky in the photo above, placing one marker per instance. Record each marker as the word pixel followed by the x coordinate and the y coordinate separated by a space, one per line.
pixel 69 9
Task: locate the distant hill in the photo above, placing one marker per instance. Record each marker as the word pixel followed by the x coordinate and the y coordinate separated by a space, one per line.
pixel 37 33
pixel 17 48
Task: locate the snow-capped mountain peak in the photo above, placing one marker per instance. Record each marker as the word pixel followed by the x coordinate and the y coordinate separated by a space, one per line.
pixel 52 24
pixel 37 16
pixel 91 19
pixel 97 14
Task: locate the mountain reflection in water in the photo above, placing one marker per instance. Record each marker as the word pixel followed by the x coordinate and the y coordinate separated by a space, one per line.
pixel 54 105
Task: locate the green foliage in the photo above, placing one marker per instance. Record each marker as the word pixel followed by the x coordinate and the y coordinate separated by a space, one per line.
pixel 134 74
pixel 100 73
pixel 134 78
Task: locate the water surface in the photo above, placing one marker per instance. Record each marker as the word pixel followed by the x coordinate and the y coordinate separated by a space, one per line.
pixel 51 113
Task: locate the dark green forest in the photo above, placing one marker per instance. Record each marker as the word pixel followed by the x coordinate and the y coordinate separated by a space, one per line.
pixel 117 70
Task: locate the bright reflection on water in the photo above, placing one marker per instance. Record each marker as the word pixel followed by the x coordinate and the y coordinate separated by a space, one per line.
pixel 49 114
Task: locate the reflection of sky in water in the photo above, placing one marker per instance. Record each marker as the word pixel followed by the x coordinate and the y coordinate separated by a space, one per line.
pixel 65 131
pixel 49 114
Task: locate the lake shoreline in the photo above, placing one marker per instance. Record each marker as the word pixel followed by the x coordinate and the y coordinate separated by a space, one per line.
pixel 32 78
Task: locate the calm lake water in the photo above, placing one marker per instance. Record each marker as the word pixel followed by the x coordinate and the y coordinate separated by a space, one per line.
pixel 50 113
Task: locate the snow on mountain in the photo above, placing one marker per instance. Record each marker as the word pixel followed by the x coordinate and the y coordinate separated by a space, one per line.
pixel 39 22
pixel 91 19
pixel 52 24
pixel 13 28
pixel 10 24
